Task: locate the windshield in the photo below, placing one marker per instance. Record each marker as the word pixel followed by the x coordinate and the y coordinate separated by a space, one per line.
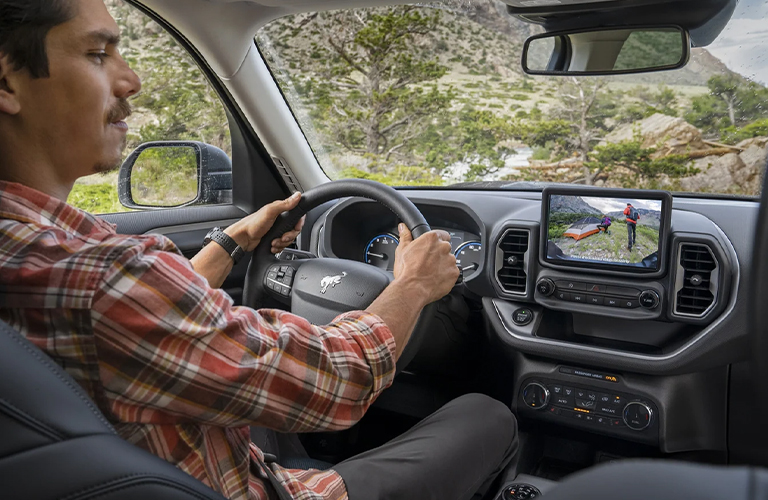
pixel 435 95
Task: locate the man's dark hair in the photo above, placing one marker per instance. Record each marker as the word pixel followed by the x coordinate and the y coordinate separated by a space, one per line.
pixel 24 26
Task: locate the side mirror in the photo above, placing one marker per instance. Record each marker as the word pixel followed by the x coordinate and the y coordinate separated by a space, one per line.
pixel 607 51
pixel 170 174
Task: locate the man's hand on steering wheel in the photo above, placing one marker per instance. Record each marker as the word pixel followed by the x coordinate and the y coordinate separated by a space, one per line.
pixel 427 265
pixel 249 231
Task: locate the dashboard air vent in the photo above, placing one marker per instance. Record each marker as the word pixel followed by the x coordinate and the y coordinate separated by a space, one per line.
pixel 511 261
pixel 696 283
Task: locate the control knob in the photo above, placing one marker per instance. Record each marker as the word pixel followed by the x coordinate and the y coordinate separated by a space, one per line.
pixel 637 415
pixel 545 286
pixel 536 396
pixel 649 299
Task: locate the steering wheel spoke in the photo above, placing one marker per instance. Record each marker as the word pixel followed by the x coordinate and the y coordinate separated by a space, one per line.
pixel 279 279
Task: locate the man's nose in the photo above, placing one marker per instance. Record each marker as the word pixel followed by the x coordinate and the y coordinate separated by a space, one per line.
pixel 129 83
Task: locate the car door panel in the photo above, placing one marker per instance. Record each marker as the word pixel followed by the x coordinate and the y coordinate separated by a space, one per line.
pixel 186 228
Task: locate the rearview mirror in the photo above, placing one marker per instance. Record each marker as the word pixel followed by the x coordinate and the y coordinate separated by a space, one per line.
pixel 607 51
pixel 175 174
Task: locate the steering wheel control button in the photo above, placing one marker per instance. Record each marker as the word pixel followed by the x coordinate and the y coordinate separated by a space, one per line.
pixel 637 415
pixel 649 299
pixel 522 317
pixel 536 396
pixel 545 287
pixel 279 279
pixel 520 491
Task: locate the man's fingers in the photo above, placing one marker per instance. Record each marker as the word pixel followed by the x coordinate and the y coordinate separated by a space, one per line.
pixel 277 207
pixel 300 225
pixel 405 235
pixel 443 235
pixel 286 239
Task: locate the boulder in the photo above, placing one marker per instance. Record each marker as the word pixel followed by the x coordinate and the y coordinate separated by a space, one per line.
pixel 715 174
pixel 731 173
pixel 754 158
pixel 761 142
pixel 669 134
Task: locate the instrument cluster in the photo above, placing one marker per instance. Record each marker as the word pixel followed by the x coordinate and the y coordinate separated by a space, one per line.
pixel 467 248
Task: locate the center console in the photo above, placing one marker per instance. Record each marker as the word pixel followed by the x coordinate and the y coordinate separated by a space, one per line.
pixel 602 297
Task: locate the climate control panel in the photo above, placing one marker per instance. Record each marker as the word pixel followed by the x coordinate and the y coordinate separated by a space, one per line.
pixel 596 409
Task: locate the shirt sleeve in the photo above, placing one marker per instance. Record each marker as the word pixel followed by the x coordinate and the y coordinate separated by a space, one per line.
pixel 171 348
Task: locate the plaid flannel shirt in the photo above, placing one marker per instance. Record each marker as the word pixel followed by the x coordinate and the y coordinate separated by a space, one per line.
pixel 168 359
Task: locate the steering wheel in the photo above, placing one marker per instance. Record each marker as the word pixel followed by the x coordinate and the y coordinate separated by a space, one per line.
pixel 319 289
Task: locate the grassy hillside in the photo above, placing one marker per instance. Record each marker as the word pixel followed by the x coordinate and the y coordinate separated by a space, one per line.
pixel 612 246
pixel 411 95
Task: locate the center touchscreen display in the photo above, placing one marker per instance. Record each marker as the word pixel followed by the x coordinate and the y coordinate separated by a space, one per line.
pixel 606 231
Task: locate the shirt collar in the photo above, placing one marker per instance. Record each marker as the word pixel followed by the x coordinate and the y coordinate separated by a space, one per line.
pixel 24 204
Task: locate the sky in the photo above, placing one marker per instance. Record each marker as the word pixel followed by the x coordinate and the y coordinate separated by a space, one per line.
pixel 743 44
pixel 618 205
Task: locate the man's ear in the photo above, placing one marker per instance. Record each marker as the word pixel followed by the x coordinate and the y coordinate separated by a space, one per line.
pixel 9 79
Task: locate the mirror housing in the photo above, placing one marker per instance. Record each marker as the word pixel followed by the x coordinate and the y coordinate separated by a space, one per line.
pixel 213 175
pixel 607 51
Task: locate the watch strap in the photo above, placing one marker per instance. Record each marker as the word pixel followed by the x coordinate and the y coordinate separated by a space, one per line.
pixel 234 250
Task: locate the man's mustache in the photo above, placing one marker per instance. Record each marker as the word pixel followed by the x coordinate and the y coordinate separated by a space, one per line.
pixel 120 112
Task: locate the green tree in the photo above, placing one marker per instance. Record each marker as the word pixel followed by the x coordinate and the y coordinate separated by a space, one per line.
pixel 380 68
pixel 758 128
pixel 648 103
pixel 473 137
pixel 732 102
pixel 633 165
pixel 587 104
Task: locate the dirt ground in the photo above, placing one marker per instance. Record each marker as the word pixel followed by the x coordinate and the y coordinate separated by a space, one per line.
pixel 611 247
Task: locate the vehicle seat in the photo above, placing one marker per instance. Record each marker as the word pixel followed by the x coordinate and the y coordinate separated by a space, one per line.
pixel 663 480
pixel 55 443
pixel 286 448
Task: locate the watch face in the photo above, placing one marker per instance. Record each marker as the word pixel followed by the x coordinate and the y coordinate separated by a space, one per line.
pixel 210 234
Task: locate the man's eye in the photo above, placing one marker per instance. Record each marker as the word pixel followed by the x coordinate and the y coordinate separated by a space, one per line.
pixel 100 56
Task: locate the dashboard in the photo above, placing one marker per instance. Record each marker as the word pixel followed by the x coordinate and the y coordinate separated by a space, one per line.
pixel 639 357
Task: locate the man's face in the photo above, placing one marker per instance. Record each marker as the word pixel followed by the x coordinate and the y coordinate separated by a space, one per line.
pixel 77 114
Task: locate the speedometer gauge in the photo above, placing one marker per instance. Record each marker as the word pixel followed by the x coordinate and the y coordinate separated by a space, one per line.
pixel 380 251
pixel 469 256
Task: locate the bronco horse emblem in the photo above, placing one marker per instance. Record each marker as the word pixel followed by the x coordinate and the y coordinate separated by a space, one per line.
pixel 331 281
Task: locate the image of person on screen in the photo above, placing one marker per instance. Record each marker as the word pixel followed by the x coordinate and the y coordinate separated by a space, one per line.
pixel 632 217
pixel 605 223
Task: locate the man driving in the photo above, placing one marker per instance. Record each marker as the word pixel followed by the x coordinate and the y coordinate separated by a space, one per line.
pixel 169 360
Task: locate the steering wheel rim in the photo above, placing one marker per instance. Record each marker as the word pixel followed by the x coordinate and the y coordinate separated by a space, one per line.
pixel 262 257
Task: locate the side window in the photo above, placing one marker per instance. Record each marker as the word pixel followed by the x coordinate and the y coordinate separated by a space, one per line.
pixel 176 103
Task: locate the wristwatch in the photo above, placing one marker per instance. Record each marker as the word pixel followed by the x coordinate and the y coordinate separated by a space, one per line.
pixel 227 243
